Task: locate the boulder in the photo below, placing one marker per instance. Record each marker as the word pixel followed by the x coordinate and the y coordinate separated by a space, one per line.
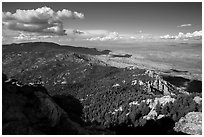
pixel 191 124
pixel 198 99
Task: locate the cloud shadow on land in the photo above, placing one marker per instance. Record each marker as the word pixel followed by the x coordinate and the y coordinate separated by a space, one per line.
pixel 190 85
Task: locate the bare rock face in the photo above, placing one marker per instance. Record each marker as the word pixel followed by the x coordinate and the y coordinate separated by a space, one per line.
pixel 198 99
pixel 190 124
pixel 151 115
pixel 159 84
pixel 153 103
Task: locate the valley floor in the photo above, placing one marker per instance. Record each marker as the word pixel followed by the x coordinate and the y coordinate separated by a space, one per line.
pixel 160 67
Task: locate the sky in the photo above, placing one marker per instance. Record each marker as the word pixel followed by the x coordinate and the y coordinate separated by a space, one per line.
pixel 121 21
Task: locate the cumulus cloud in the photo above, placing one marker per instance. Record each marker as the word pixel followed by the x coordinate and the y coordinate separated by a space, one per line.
pixel 41 20
pixel 75 31
pixel 95 33
pixel 167 37
pixel 23 36
pixel 31 36
pixel 105 35
pixel 139 36
pixel 185 25
pixel 197 35
pixel 116 36
pixel 87 33
pixel 109 36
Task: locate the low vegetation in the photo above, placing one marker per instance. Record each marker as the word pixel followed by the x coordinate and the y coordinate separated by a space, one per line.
pixel 91 92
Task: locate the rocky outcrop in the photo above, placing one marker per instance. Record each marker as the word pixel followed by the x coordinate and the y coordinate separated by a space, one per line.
pixel 29 110
pixel 158 84
pixel 198 99
pixel 190 124
pixel 153 103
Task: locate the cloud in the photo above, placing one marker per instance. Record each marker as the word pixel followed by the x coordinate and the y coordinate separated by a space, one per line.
pixel 185 25
pixel 167 37
pixel 109 36
pixel 139 36
pixel 116 36
pixel 196 35
pixel 95 33
pixel 22 36
pixel 85 34
pixel 75 31
pixel 41 20
pixel 105 35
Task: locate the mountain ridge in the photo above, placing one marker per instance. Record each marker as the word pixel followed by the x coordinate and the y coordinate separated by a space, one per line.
pixel 111 97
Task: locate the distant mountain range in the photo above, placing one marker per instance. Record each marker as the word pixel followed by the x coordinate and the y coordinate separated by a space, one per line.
pixel 57 89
